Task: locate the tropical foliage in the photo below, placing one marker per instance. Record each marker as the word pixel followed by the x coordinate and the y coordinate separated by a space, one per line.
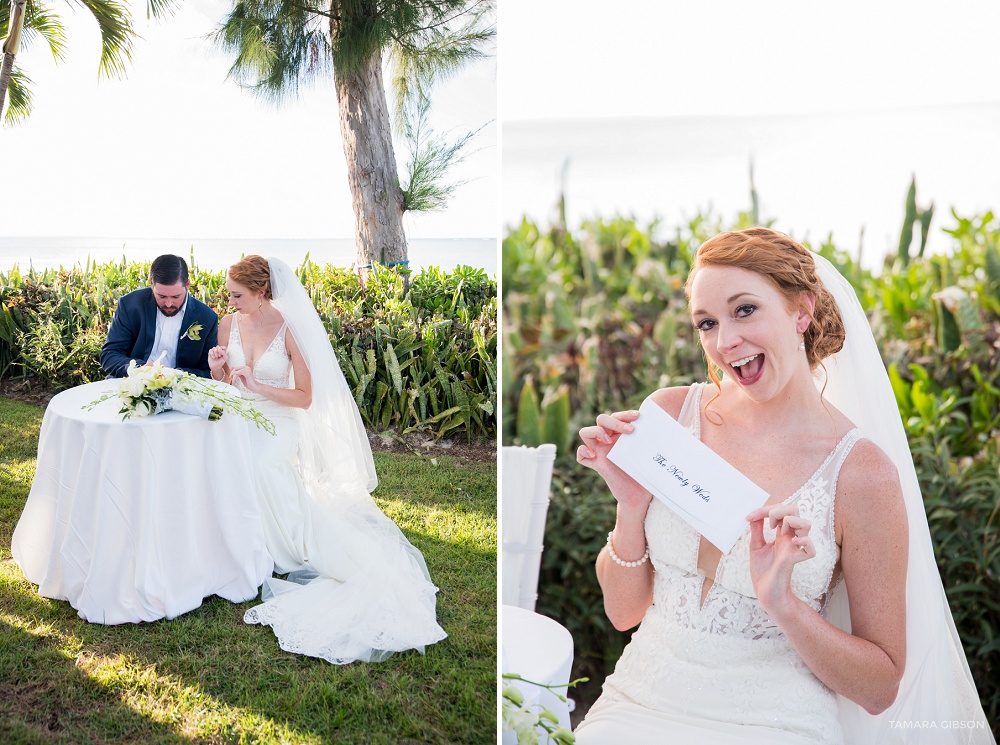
pixel 595 319
pixel 40 21
pixel 422 359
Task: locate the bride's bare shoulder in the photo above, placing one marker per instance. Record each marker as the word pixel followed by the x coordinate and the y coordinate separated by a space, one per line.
pixel 225 327
pixel 868 481
pixel 671 400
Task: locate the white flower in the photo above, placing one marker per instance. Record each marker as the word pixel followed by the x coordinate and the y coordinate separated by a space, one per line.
pixel 133 385
pixel 151 389
pixel 522 722
pixel 142 407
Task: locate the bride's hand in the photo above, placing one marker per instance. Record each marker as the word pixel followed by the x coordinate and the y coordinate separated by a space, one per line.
pixel 217 358
pixel 771 563
pixel 593 453
pixel 245 374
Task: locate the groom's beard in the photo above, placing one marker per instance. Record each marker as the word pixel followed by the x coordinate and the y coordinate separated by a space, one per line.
pixel 171 310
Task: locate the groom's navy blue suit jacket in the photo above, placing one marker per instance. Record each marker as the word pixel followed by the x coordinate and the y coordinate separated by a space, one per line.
pixel 133 331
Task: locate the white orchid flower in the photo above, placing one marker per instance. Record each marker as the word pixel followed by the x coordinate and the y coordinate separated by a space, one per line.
pixel 134 385
pixel 143 408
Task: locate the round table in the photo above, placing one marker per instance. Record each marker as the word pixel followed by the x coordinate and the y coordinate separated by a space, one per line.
pixel 140 519
pixel 538 649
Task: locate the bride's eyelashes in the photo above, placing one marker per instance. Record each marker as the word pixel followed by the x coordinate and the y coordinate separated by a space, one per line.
pixel 706 324
pixel 745 310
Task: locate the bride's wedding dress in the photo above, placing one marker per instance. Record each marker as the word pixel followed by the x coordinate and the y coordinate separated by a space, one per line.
pixel 724 673
pixel 358 590
pixel 721 672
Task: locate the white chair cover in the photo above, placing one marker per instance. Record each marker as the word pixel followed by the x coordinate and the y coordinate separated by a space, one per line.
pixel 540 650
pixel 526 474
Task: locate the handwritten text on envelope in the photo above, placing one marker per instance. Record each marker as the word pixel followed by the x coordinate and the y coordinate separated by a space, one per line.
pixel 680 470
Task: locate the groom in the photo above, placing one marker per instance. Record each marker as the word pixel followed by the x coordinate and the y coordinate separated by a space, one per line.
pixel 161 318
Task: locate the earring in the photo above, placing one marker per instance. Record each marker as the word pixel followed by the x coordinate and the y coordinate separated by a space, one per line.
pixel 802 342
pixel 260 305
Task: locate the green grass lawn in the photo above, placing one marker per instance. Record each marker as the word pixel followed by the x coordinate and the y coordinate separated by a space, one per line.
pixel 206 677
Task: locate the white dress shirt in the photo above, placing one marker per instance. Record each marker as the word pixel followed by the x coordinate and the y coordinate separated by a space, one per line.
pixel 168 332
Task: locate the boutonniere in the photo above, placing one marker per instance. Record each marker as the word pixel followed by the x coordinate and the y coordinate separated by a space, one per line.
pixel 194 332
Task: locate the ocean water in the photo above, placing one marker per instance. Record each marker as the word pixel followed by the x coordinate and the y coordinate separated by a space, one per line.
pixel 217 254
pixel 815 175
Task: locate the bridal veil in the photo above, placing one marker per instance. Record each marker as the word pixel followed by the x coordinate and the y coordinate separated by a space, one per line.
pixel 364 592
pixel 937 701
pixel 334 453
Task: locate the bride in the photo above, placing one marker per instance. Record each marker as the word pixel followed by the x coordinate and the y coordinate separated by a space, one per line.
pixel 826 622
pixel 356 588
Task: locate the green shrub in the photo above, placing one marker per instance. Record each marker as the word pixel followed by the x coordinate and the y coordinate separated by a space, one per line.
pixel 600 313
pixel 962 498
pixel 422 359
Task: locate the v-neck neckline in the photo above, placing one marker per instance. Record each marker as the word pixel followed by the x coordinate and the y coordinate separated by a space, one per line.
pixel 274 338
pixel 706 593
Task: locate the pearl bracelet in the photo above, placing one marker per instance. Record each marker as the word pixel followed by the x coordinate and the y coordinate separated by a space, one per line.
pixel 615 558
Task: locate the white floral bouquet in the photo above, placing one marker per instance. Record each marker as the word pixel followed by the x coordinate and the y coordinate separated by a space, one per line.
pixel 528 720
pixel 153 389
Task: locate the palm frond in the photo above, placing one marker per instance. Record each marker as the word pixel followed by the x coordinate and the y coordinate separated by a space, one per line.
pixel 40 21
pixel 117 34
pixel 160 8
pixel 18 98
pixel 431 157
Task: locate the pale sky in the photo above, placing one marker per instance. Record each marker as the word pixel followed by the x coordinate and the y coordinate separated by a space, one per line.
pixel 732 57
pixel 174 150
pixel 656 109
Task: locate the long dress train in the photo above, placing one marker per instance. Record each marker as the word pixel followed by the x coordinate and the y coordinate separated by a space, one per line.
pixel 357 589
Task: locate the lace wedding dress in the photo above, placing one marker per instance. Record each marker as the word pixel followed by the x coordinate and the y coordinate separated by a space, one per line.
pixel 357 589
pixel 722 672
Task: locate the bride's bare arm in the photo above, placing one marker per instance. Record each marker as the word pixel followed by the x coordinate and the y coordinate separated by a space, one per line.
pixel 219 353
pixel 628 590
pixel 299 397
pixel 867 664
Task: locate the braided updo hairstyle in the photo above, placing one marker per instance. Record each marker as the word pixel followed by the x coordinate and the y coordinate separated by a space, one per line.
pixel 254 273
pixel 792 269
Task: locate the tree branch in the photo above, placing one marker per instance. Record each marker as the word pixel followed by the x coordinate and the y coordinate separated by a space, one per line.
pixel 315 11
pixel 461 13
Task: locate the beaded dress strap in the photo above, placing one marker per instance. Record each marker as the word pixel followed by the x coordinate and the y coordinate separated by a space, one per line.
pixel 690 414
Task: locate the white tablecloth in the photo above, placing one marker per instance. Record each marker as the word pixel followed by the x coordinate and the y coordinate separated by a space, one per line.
pixel 539 649
pixel 140 520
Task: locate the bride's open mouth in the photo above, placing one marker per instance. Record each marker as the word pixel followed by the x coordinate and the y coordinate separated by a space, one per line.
pixel 749 369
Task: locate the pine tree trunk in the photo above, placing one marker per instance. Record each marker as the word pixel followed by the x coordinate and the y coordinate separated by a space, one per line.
pixel 371 165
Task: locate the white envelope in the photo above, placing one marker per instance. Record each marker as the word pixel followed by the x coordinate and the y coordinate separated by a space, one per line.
pixel 684 473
